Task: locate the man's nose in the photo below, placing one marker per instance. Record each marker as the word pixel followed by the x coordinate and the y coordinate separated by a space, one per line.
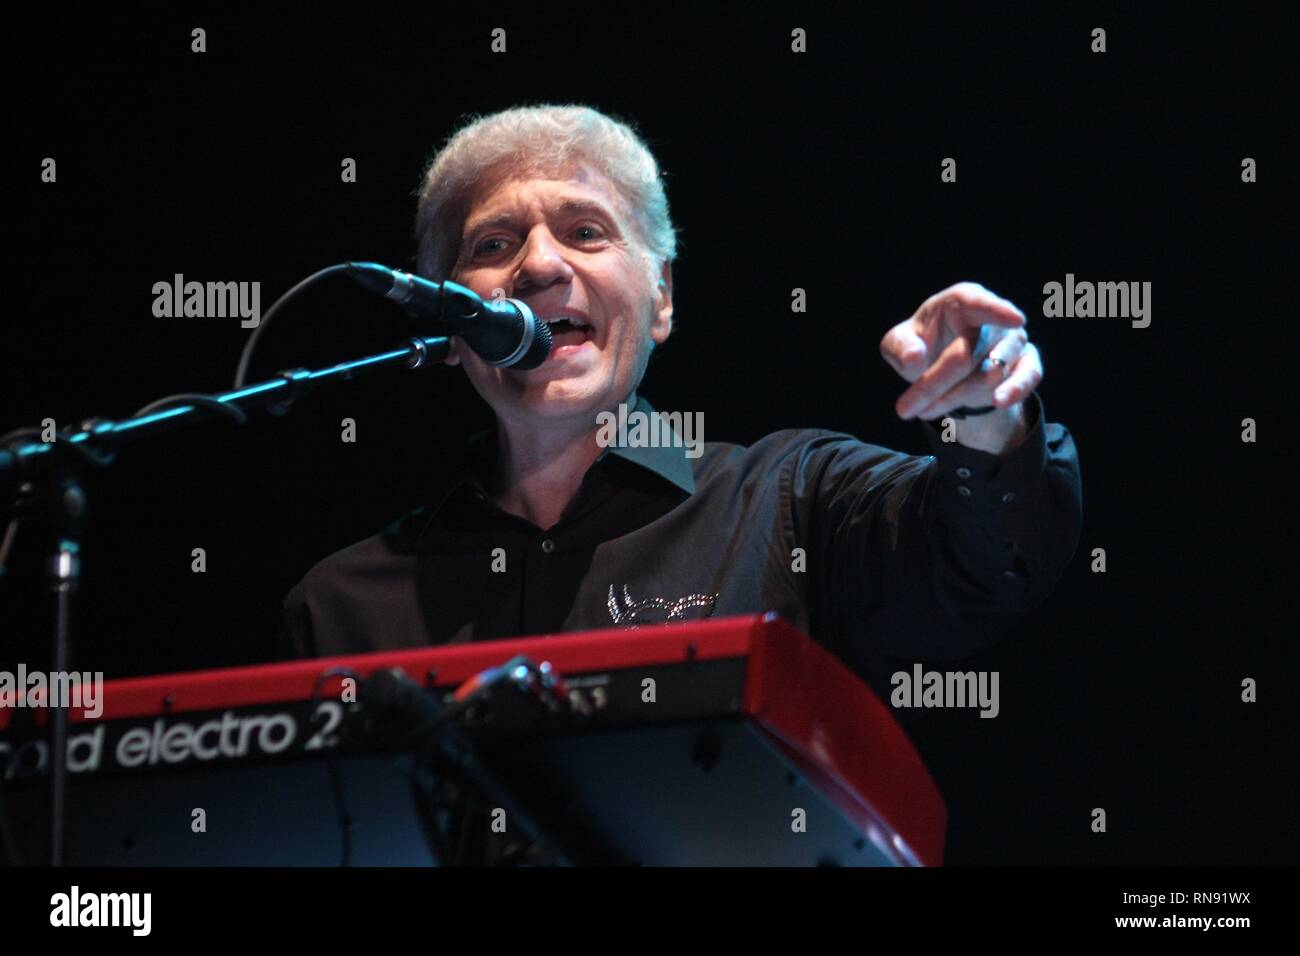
pixel 543 261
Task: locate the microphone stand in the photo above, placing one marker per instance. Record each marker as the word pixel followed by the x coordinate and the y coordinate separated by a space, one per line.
pixel 47 477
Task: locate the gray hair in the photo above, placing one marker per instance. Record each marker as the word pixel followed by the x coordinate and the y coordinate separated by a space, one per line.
pixel 543 139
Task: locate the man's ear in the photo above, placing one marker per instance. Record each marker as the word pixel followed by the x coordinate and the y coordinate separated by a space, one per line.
pixel 662 325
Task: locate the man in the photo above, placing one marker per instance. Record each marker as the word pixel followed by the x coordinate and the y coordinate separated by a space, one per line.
pixel 544 529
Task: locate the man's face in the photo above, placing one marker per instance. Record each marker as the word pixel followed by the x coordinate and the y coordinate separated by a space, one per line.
pixel 564 247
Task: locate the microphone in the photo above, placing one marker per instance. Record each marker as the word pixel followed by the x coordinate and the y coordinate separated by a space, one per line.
pixel 504 332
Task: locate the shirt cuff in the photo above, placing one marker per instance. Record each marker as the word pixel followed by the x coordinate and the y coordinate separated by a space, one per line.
pixel 984 481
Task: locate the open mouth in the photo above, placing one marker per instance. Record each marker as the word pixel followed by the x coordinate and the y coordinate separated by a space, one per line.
pixel 568 330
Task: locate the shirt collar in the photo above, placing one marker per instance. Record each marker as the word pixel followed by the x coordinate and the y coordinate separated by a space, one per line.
pixel 669 462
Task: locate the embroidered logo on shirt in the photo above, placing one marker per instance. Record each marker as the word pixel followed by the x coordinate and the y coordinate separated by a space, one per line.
pixel 627 612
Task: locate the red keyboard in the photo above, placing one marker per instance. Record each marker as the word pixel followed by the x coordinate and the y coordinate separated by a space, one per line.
pixel 824 720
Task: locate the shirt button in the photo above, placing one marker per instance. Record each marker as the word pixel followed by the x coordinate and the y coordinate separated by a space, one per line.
pixel 963 472
pixel 963 491
pixel 548 545
pixel 1009 497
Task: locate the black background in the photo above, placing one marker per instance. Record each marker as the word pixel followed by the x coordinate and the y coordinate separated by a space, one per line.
pixel 818 171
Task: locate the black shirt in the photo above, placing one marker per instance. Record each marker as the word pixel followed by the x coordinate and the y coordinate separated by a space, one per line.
pixel 873 552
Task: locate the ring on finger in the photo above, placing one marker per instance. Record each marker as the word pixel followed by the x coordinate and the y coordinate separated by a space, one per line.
pixel 1004 354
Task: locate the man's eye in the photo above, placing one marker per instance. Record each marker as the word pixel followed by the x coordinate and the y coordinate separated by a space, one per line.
pixel 485 247
pixel 587 232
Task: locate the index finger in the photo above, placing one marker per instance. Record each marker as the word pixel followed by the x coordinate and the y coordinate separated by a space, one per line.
pixel 976 306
